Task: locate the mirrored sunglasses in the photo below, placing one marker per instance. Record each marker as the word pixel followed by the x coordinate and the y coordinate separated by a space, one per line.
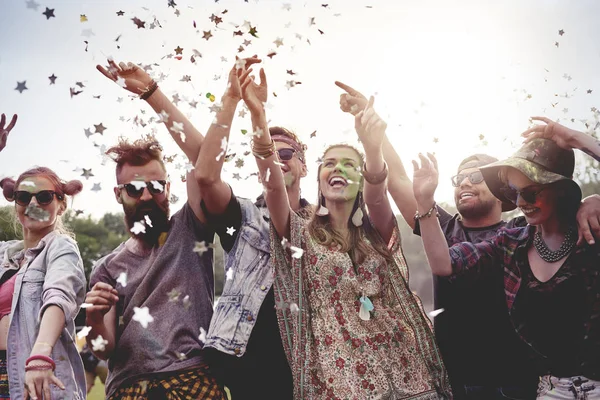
pixel 135 189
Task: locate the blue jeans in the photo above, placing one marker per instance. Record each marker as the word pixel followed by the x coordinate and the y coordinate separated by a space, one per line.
pixel 499 393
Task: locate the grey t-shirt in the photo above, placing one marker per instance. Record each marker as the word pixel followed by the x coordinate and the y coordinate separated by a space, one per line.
pixel 177 286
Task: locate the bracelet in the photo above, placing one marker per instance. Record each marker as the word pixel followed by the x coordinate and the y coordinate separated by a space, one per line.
pixel 428 214
pixel 44 344
pixel 150 89
pixel 38 368
pixel 263 151
pixel 375 179
pixel 41 358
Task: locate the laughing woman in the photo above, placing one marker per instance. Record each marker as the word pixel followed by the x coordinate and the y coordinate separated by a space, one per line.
pixel 42 286
pixel 552 285
pixel 351 327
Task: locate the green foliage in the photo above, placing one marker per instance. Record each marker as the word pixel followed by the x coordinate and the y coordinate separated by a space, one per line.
pixel 7 226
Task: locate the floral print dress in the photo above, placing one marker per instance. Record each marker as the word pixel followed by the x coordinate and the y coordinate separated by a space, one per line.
pixel 341 356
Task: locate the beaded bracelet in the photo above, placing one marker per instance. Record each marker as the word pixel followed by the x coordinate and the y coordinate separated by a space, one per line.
pixel 149 91
pixel 41 358
pixel 428 214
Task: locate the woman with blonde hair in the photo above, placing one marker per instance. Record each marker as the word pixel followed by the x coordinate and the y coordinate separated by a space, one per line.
pixel 42 286
pixel 351 327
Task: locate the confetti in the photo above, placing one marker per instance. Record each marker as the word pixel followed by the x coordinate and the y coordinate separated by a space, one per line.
pixel 86 305
pixel 142 315
pixel 229 274
pixel 34 211
pixel 186 302
pixel 122 279
pixel 200 247
pixel 138 227
pixel 163 117
pixel 21 86
pixel 296 252
pixel 435 313
pixel 206 35
pixel 231 230
pixel 202 336
pixel 138 22
pixel 174 295
pixel 99 344
pixel 87 173
pixel 52 79
pixel 49 13
pixel 294 308
pixel 84 332
pixel 100 128
pixel 32 4
pixel 148 222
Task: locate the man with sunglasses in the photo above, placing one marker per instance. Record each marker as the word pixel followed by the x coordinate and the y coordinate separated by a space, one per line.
pixel 243 341
pixel 153 295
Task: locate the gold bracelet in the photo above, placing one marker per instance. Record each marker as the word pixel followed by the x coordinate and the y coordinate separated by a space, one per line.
pixel 262 150
pixel 44 344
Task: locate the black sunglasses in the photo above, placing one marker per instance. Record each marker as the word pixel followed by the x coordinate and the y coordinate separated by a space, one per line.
pixel 286 154
pixel 43 197
pixel 475 177
pixel 528 194
pixel 135 189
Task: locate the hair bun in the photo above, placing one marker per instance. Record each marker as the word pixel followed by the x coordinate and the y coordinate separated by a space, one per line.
pixel 8 188
pixel 73 187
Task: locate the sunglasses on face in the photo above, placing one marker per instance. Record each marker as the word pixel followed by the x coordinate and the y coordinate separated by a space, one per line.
pixel 475 177
pixel 135 189
pixel 43 197
pixel 286 154
pixel 528 194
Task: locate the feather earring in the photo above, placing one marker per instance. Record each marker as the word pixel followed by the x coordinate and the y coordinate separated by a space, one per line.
pixel 357 218
pixel 322 210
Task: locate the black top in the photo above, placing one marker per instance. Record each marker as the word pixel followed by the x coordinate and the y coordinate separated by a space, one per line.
pixel 476 337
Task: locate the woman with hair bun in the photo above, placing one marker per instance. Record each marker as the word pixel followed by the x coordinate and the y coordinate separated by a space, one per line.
pixel 42 287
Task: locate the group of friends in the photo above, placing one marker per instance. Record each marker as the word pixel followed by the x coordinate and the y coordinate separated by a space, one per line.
pixel 316 304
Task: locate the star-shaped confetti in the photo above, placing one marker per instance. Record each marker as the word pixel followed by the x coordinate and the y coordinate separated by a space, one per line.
pixel 96 187
pixel 83 18
pixel 142 315
pixel 52 79
pixel 120 13
pixel 100 128
pixel 561 32
pixel 202 336
pixel 174 295
pixel 21 86
pixel 87 173
pixel 49 13
pixel 32 4
pixel 99 344
pixel 186 302
pixel 296 252
pixel 229 274
pixel 138 22
pixel 178 50
pixel 231 231
pixel 206 35
pixel 278 42
pixel 84 332
pixel 253 31
pixel 200 247
pixel 242 113
pixel 122 279
pixel 138 227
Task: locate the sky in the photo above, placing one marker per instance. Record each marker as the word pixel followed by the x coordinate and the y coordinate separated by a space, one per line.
pixel 453 77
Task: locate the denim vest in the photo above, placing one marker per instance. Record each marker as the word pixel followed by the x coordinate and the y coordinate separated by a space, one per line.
pixel 51 275
pixel 251 277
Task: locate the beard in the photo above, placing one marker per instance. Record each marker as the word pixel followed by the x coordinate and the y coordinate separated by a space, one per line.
pixel 477 210
pixel 158 213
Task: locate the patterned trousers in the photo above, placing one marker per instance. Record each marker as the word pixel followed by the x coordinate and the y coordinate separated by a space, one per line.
pixel 192 384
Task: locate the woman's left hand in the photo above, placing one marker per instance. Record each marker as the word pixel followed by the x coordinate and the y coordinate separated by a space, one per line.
pixel 5 131
pixel 37 384
pixel 370 127
pixel 560 134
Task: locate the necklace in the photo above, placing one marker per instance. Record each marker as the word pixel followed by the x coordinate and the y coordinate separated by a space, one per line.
pixel 552 256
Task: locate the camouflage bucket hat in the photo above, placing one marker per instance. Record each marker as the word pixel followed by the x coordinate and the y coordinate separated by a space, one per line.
pixel 540 160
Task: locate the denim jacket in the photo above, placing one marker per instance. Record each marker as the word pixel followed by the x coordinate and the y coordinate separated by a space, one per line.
pixel 51 275
pixel 251 279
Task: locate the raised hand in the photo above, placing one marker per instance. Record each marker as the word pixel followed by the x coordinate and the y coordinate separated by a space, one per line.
pixel 234 90
pixel 254 95
pixel 129 76
pixel 562 135
pixel 4 131
pixel 352 101
pixel 425 179
pixel 102 297
pixel 369 126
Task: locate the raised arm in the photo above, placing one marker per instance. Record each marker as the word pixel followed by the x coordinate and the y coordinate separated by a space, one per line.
pixel 566 138
pixel 263 148
pixel 216 193
pixel 4 131
pixel 137 81
pixel 425 181
pixel 371 130
pixel 399 184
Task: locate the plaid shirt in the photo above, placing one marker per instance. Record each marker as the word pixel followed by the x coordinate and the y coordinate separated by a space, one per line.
pixel 509 249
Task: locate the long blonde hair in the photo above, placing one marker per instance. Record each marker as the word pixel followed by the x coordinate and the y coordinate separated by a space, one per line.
pixel 321 230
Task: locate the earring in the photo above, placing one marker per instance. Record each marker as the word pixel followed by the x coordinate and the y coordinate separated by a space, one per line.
pixel 322 210
pixel 357 218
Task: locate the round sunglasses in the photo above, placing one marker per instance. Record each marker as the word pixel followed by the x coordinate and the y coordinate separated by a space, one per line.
pixel 475 177
pixel 529 194
pixel 43 197
pixel 135 189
